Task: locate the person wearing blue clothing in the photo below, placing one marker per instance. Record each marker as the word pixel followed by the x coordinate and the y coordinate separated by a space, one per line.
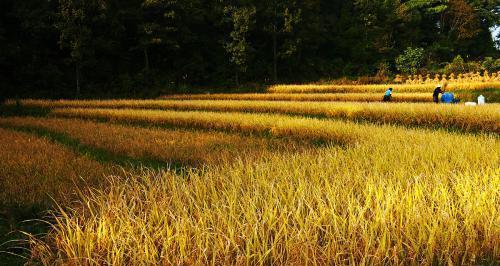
pixel 449 97
pixel 388 95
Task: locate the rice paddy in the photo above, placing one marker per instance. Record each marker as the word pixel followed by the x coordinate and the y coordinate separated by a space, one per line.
pixel 485 118
pixel 33 169
pixel 258 179
pixel 160 145
pixel 406 88
pixel 317 97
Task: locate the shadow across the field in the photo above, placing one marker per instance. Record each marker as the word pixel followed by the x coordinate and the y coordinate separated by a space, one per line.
pixel 97 154
pixel 15 222
pixel 10 110
pixel 22 110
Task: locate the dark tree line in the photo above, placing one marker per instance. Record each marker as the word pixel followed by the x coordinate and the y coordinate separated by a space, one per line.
pixel 68 48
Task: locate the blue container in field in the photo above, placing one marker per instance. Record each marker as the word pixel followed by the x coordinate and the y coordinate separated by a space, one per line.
pixel 448 97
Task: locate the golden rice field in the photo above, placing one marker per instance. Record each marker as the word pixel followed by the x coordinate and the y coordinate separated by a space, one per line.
pixel 319 97
pixel 33 169
pixel 270 181
pixel 406 88
pixel 164 145
pixel 263 124
pixel 400 202
pixel 485 118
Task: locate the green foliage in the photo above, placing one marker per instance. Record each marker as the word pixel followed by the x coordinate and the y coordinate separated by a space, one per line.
pixel 430 7
pixel 473 66
pixel 157 17
pixel 143 47
pixel 410 61
pixel 383 71
pixel 74 24
pixel 457 66
pixel 417 9
pixel 491 65
pixel 238 47
pixel 75 21
pixel 281 21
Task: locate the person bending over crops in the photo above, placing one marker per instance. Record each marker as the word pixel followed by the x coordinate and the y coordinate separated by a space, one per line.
pixel 388 95
pixel 437 91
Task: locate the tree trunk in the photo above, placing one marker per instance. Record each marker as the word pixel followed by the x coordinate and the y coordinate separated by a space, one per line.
pixel 77 72
pixel 237 78
pixel 275 57
pixel 275 44
pixel 146 58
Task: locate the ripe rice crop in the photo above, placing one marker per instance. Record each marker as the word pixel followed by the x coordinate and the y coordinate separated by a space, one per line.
pixel 273 125
pixel 391 195
pixel 179 146
pixel 466 118
pixel 322 88
pixel 406 197
pixel 317 97
pixel 34 171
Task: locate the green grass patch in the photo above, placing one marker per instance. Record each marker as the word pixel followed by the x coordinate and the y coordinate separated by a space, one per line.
pixel 491 95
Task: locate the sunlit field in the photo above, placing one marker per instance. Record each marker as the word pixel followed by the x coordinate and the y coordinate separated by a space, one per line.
pixel 406 88
pixel 287 177
pixel 303 133
pixel 33 169
pixel 318 97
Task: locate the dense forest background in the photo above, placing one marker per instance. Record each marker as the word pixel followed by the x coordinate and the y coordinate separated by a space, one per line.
pixel 118 48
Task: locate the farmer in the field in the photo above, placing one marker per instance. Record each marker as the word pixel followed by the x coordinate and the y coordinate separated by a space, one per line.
pixel 437 91
pixel 388 95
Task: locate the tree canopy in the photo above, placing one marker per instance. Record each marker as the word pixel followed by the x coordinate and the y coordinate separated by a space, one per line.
pixel 66 48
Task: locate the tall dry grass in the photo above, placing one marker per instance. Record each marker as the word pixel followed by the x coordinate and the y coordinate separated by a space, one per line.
pixel 35 171
pixel 316 97
pixel 405 197
pixel 406 88
pixel 186 147
pixel 466 118
pixel 265 124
